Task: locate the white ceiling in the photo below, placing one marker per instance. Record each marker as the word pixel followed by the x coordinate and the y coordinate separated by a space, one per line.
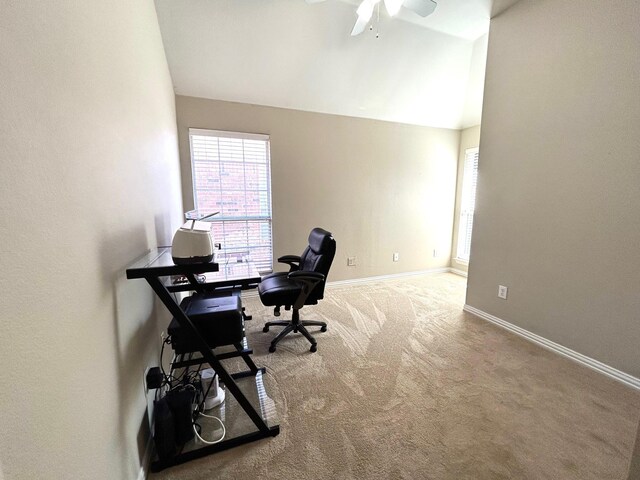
pixel 290 54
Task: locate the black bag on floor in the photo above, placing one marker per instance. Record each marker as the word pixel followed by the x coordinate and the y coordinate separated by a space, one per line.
pixel 164 431
pixel 180 401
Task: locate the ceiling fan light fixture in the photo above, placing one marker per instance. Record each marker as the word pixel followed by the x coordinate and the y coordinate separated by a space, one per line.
pixel 393 6
pixel 365 10
pixel 424 8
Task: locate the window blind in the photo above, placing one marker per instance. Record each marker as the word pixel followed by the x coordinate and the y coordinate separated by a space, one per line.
pixel 468 204
pixel 231 175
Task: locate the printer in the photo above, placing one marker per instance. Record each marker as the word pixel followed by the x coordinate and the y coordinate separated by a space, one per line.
pixel 192 242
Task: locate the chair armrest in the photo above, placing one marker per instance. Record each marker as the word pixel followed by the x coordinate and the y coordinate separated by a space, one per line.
pixel 308 280
pixel 292 260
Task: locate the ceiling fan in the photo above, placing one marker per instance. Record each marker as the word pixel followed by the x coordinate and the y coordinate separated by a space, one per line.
pixel 365 10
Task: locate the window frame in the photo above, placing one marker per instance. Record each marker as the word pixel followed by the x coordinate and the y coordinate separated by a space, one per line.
pixel 217 134
pixel 467 204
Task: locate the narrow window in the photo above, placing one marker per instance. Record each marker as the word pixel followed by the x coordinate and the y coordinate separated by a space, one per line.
pixel 467 207
pixel 231 174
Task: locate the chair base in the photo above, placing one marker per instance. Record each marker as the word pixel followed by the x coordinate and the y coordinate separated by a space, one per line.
pixel 295 325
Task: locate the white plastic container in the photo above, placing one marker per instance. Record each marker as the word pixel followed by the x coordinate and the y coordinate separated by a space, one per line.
pixel 216 395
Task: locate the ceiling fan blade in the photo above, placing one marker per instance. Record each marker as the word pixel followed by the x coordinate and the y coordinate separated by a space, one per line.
pixel 358 28
pixel 364 11
pixel 423 8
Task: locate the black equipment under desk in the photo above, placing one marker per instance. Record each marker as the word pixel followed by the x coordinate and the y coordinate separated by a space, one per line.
pixel 249 412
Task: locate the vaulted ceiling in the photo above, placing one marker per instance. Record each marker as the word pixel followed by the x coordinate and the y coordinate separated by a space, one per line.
pixel 290 54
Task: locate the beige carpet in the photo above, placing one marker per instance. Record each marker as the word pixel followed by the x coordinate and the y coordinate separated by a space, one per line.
pixel 407 386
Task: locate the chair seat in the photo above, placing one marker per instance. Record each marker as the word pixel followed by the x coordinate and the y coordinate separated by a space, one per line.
pixel 277 289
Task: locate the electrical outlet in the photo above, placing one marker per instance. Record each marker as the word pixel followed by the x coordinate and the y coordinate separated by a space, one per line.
pixel 145 375
pixel 396 256
pixel 351 261
pixel 435 253
pixel 502 291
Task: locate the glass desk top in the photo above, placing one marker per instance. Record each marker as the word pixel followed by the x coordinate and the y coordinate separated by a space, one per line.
pixel 159 262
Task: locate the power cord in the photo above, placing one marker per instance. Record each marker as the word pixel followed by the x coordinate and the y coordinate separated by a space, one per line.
pixel 198 411
pixel 191 380
pixel 224 431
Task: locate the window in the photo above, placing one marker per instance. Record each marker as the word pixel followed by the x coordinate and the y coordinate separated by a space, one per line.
pixel 469 183
pixel 231 175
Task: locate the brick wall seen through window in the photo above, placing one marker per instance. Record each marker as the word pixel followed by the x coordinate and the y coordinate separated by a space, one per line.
pixel 231 175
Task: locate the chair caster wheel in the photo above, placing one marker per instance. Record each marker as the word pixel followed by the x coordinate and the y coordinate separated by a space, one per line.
pixel 323 329
pixel 313 348
pixel 265 329
pixel 272 349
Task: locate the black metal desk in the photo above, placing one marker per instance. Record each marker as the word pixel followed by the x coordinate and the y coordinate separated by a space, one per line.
pixel 249 395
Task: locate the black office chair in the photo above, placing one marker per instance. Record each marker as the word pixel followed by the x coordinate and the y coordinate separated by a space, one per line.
pixel 302 285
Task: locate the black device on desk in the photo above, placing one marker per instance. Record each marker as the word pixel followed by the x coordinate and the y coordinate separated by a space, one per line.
pixel 218 319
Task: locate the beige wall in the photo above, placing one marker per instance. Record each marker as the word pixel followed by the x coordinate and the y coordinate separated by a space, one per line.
pixel 379 187
pixel 469 138
pixel 558 206
pixel 90 180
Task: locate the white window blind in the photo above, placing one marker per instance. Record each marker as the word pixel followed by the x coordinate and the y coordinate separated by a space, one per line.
pixel 468 205
pixel 231 175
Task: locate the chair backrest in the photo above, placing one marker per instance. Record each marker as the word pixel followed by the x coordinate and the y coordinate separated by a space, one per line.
pixel 318 257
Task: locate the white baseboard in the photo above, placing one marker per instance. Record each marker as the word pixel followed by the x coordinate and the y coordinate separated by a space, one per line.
pixel 146 460
pixel 462 273
pixel 353 281
pixel 431 271
pixel 589 362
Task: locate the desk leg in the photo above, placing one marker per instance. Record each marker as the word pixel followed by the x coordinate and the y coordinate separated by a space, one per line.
pixel 194 283
pixel 247 359
pixel 206 352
